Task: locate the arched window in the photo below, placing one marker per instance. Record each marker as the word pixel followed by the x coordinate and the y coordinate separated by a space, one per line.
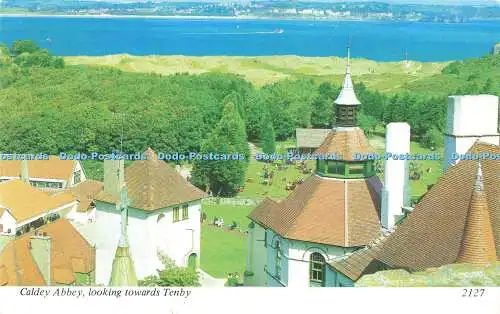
pixel 317 270
pixel 278 260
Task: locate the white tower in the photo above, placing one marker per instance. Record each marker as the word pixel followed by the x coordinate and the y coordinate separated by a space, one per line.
pixel 469 118
pixel 395 194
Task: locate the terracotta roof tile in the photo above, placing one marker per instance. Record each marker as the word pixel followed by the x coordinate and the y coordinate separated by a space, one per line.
pixel 358 264
pixel 53 168
pixel 345 142
pixel 25 202
pixel 153 184
pixel 85 193
pixel 432 234
pixel 68 246
pixel 478 243
pixel 318 211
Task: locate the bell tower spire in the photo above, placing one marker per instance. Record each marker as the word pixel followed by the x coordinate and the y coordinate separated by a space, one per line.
pixel 347 101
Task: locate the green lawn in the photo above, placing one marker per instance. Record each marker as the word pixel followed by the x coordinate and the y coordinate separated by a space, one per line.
pixel 222 251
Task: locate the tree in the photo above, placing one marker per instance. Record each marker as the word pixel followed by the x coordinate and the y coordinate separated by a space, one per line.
pixel 24 46
pixel 223 177
pixel 433 138
pixel 367 123
pixel 267 135
pixel 172 277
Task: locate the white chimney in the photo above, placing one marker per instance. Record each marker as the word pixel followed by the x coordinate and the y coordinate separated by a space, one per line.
pixel 395 193
pixel 469 118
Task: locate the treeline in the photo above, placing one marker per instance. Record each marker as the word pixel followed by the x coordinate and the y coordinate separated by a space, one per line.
pixel 86 109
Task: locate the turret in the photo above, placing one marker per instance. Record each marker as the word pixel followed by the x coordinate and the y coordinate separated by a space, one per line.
pixel 347 101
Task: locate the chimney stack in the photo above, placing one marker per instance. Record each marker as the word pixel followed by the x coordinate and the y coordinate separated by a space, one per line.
pixel 469 118
pixel 41 250
pixel 395 193
pixel 114 177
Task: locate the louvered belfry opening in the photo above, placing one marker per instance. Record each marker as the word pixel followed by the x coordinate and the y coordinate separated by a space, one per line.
pixel 346 116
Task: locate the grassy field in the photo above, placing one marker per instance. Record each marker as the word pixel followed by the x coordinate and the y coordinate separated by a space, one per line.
pixel 224 251
pixel 384 76
pixel 417 187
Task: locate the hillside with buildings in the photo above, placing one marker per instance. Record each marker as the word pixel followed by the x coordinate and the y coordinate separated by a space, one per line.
pixel 263 9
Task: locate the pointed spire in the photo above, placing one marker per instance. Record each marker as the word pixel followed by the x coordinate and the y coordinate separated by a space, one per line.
pixel 478 243
pixel 24 171
pixel 347 95
pixel 123 271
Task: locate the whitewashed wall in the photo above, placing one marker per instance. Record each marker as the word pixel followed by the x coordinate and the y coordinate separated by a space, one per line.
pixel 257 257
pixel 8 222
pixel 147 235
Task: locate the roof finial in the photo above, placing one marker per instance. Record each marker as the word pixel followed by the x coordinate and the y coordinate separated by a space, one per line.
pixel 24 171
pixel 479 178
pixel 348 69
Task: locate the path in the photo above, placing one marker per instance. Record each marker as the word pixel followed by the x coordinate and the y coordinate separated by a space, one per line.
pixel 208 281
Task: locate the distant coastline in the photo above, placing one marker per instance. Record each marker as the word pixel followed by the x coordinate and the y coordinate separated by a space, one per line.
pixel 179 17
pixel 214 17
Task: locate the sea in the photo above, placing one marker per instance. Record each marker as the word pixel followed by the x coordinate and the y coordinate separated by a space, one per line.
pixel 375 40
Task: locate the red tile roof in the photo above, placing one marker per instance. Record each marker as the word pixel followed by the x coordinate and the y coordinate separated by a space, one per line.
pixel 432 234
pixel 328 211
pixel 450 224
pixel 153 184
pixel 478 243
pixel 345 142
pixel 71 254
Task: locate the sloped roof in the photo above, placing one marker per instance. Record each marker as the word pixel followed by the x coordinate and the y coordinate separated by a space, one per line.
pixel 433 233
pixel 123 271
pixel 85 193
pixel 310 138
pixel 359 263
pixel 478 243
pixel 328 211
pixel 345 142
pixel 24 201
pixel 17 266
pixel 53 168
pixel 153 184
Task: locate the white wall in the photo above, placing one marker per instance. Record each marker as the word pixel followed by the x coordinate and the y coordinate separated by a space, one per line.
pixel 257 256
pixel 82 217
pixel 8 222
pixel 147 235
pixel 295 260
pixel 299 257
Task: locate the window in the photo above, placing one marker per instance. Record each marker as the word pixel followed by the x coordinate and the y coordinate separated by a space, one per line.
pixel 317 270
pixel 357 168
pixel 265 238
pixel 185 212
pixel 77 177
pixel 1 228
pixel 176 214
pixel 336 167
pixel 278 260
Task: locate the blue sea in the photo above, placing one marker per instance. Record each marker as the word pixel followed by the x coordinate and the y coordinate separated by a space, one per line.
pixel 381 41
